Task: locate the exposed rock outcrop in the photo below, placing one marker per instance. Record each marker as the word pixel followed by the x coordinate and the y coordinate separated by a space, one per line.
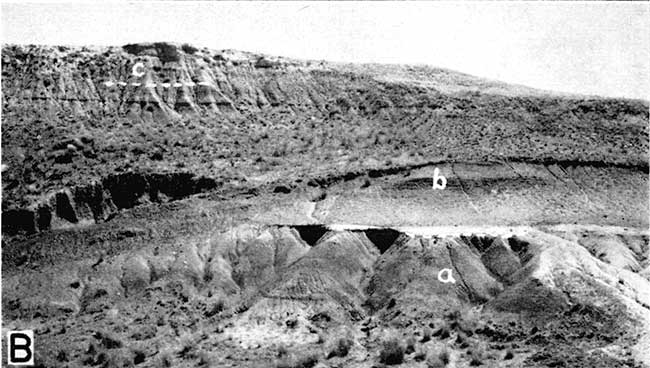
pixel 100 200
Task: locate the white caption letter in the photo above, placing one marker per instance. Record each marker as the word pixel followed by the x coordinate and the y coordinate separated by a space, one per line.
pixel 447 279
pixel 437 177
pixel 135 71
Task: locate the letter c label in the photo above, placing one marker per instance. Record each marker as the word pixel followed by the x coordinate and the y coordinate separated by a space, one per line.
pixel 138 70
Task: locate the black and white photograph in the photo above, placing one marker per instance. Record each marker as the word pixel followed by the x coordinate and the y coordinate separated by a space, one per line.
pixel 324 184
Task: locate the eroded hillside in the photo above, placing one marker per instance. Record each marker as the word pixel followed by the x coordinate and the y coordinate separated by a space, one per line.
pixel 75 116
pixel 164 205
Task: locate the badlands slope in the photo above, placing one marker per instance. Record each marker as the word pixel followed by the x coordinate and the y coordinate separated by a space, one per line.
pixel 232 209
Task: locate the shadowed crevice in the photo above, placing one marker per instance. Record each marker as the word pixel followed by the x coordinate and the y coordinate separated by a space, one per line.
pixel 311 233
pixel 382 238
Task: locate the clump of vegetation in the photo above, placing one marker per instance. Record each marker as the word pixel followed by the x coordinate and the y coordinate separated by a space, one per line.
pixel 463 340
pixel 392 352
pixel 62 356
pixel 139 356
pixel 466 321
pixel 341 348
pixel 410 345
pixel 439 360
pixel 308 361
pixel 426 334
pixel 475 361
pixel 282 351
pixel 420 356
pixel 214 308
pixel 188 49
pixel 444 356
pixel 442 332
pixel 321 338
pixel 204 358
pixel 476 356
pixel 187 344
pixel 304 361
pixel 108 340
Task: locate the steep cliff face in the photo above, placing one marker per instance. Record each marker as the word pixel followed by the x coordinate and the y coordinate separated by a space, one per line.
pixel 72 116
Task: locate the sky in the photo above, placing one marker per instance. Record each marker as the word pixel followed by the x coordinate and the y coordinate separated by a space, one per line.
pixel 596 48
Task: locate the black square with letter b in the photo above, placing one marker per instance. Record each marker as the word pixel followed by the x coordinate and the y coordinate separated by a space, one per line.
pixel 20 347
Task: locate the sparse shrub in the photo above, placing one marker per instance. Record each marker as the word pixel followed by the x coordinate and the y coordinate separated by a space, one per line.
pixel 468 323
pixel 439 360
pixel 144 333
pixel 434 362
pixel 475 362
pixel 476 356
pixel 291 323
pixel 420 356
pixel 444 356
pixel 187 343
pixel 454 315
pixel 410 345
pixel 392 352
pixel 284 363
pixel 166 52
pixel 215 308
pixel 139 356
pixel 509 355
pixel 461 338
pixel 204 358
pixel 108 340
pixel 307 361
pixel 426 334
pixel 341 348
pixel 304 361
pixel 188 49
pixel 115 359
pixel 62 356
pixel 282 351
pixel 280 150
pixel 442 332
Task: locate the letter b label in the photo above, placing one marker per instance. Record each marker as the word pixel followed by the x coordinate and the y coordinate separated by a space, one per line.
pixel 20 347
pixel 439 181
